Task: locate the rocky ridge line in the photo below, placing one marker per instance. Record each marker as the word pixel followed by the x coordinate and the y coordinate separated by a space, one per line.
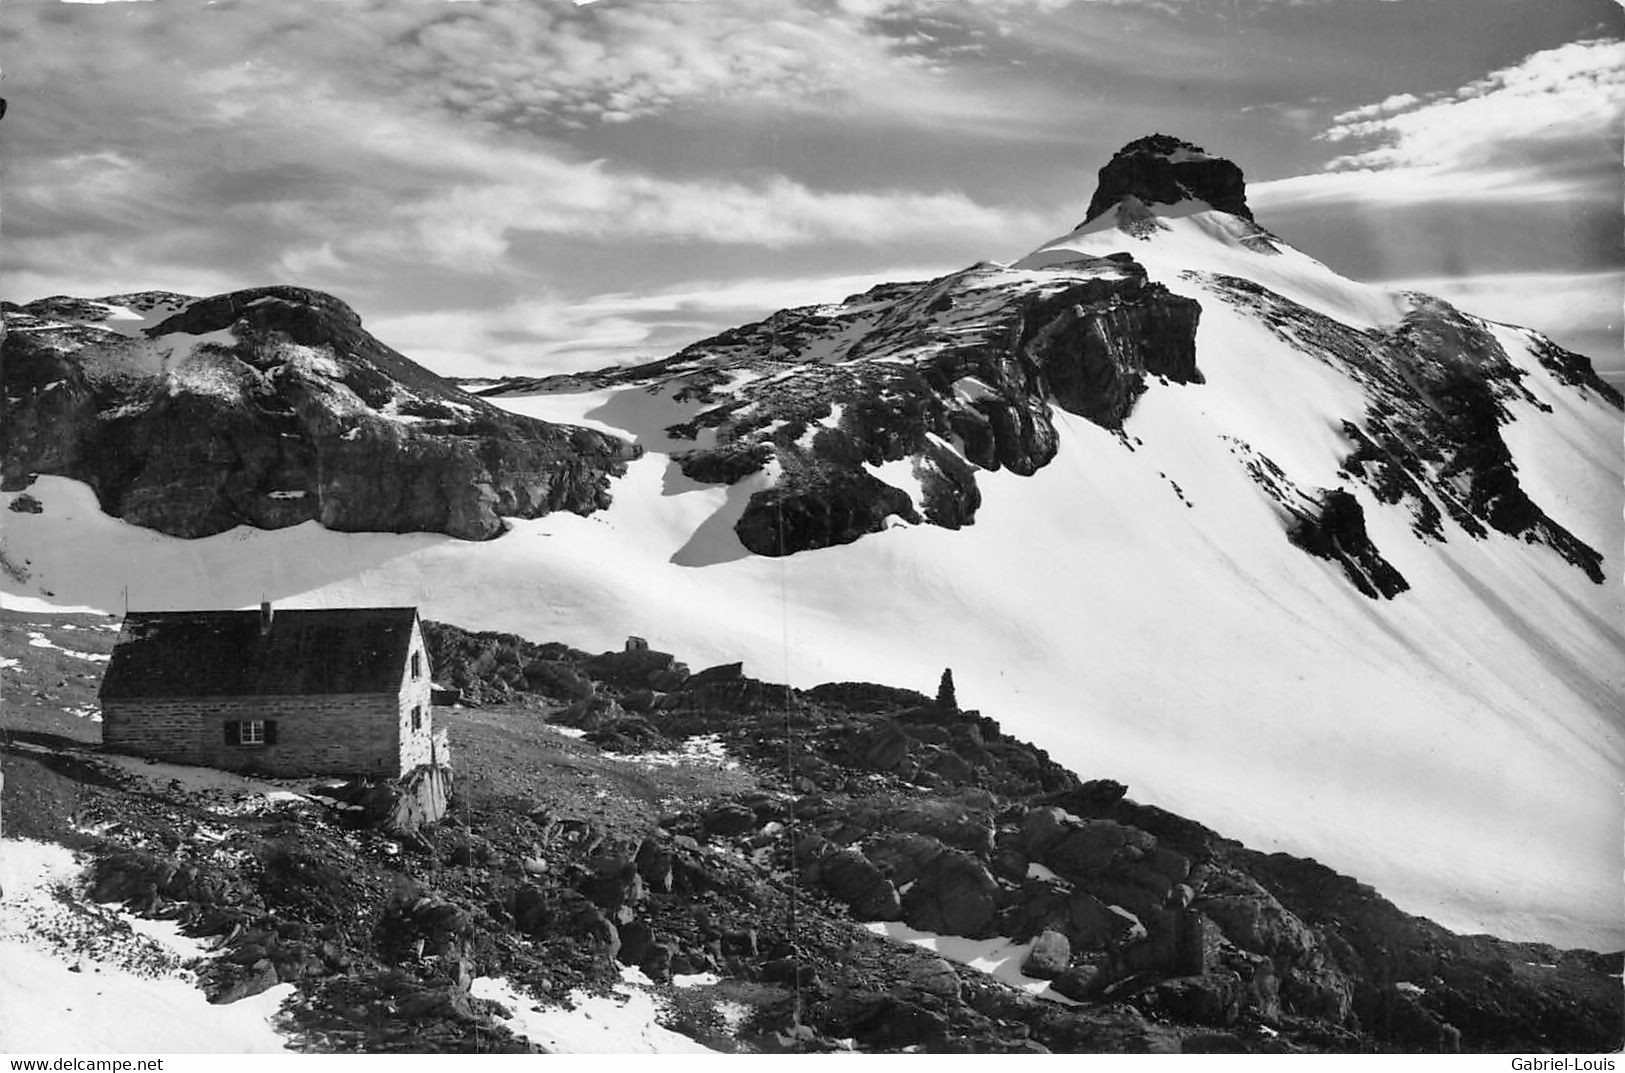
pixel 945 377
pixel 271 407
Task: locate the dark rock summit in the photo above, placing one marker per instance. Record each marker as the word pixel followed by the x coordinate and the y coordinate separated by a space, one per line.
pixel 271 407
pixel 1161 169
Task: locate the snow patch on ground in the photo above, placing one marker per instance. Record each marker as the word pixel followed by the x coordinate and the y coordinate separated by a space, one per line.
pixel 1038 871
pixel 100 981
pixel 623 1022
pixel 132 322
pixel 902 474
pixel 998 957
pixel 39 640
pixel 704 750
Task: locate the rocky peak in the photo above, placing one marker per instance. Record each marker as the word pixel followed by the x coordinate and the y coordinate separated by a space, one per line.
pixel 1162 169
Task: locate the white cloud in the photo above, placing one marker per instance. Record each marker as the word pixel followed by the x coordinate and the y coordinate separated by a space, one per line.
pixel 1543 130
pixel 469 226
pixel 1510 185
pixel 263 155
pixel 1399 102
pixel 544 63
pixel 1573 91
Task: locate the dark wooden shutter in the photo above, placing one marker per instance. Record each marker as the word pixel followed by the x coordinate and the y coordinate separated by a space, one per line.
pixel 233 735
pixel 270 732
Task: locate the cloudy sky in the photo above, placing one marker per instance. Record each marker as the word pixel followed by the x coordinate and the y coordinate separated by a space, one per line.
pixel 512 186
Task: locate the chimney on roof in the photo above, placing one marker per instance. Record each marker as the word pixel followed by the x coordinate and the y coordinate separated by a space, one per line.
pixel 265 618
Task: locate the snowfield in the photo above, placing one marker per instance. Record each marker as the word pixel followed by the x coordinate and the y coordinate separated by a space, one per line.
pixel 1134 608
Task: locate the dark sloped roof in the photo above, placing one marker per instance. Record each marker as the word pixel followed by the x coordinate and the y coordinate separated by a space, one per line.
pixel 225 653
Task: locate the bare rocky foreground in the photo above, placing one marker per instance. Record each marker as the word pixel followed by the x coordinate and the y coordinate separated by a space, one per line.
pixel 615 810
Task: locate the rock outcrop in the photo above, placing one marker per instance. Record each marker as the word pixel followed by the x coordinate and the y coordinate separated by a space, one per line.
pixel 271 407
pixel 1439 386
pixel 1161 169
pixel 885 406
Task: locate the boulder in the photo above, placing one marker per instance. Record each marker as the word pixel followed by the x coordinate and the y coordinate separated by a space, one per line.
pixel 1253 919
pixel 1092 798
pixel 903 855
pixel 1088 847
pixel 728 818
pixel 443 1003
pixel 610 892
pixel 1092 924
pixel 261 977
pixel 932 976
pixel 654 864
pixel 885 747
pixel 1211 999
pixel 884 1021
pixel 856 881
pixel 1082 983
pixel 1049 957
pixel 1318 991
pixel 955 895
pixel 637 937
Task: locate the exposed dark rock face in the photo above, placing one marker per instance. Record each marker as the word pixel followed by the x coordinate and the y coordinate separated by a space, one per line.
pixel 1163 169
pixel 938 379
pixel 817 507
pixel 271 407
pixel 1575 370
pixel 1439 384
pixel 1337 532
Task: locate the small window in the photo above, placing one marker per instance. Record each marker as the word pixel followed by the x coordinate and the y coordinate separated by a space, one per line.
pixel 251 732
pixel 417 717
pixel 417 665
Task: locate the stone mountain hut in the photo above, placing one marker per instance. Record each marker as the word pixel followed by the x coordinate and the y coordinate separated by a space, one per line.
pixel 343 691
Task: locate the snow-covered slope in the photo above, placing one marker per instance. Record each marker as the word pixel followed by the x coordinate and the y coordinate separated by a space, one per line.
pixel 1133 604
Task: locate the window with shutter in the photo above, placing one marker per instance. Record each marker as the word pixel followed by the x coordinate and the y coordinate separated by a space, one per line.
pixel 251 732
